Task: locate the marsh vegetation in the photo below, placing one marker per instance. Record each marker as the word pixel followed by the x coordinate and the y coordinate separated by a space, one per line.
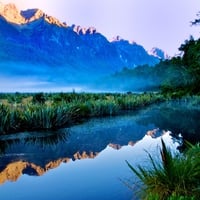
pixel 46 111
pixel 173 177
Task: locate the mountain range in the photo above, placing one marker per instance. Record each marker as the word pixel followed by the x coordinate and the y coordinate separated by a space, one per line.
pixel 34 44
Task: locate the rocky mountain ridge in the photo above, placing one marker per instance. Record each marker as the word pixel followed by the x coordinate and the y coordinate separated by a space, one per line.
pixel 35 44
pixel 13 15
pixel 159 53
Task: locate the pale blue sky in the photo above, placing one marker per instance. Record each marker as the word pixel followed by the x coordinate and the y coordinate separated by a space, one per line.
pixel 161 23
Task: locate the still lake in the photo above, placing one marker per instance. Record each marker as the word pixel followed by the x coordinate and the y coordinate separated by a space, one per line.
pixel 87 161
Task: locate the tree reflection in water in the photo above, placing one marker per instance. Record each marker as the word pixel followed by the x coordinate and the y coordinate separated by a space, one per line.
pixel 49 140
pixel 180 117
pixel 43 139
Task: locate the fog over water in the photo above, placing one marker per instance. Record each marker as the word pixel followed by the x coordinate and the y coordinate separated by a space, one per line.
pixel 50 81
pixel 34 85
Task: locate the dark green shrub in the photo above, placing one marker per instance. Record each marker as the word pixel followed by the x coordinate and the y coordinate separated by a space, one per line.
pixel 39 98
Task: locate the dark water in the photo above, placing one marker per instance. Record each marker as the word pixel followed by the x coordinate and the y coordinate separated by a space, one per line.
pixel 87 161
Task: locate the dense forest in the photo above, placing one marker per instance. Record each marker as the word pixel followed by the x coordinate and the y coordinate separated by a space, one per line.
pixel 176 77
pixel 175 177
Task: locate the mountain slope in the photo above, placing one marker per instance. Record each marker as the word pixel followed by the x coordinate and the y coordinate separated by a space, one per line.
pixel 32 38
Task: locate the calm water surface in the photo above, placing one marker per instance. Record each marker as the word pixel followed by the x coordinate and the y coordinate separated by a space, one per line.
pixel 87 161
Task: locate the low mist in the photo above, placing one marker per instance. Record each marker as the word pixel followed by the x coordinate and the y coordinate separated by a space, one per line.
pixel 32 78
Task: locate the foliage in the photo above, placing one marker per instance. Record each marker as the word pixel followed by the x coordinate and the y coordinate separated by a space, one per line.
pixel 191 60
pixel 177 177
pixel 175 77
pixel 39 98
pixel 173 197
pixel 9 119
pixel 170 76
pixel 46 111
pixel 47 117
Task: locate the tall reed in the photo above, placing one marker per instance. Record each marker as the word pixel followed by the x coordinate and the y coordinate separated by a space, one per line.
pixel 9 119
pixel 174 177
pixel 48 117
pixel 51 111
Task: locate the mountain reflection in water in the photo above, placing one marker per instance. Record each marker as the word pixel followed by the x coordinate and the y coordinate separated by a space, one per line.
pixel 38 152
pixel 94 153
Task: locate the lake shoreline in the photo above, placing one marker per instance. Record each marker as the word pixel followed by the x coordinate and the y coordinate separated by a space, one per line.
pixel 40 112
pixel 49 112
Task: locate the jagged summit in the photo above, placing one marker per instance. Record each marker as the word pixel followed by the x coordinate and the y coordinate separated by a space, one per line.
pixel 120 39
pixel 159 53
pixel 61 53
pixel 32 14
pixel 13 15
pixel 82 31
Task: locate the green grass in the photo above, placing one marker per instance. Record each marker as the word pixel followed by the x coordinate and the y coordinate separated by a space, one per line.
pixel 175 177
pixel 9 119
pixel 47 117
pixel 46 111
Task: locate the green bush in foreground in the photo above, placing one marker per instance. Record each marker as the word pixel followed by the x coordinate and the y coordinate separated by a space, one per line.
pixel 175 177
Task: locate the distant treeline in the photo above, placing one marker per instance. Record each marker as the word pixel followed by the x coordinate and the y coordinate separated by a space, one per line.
pixel 177 76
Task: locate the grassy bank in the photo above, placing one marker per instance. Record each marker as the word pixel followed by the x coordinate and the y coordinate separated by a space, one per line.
pixel 40 111
pixel 175 177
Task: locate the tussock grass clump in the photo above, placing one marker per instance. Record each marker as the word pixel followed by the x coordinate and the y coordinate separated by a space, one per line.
pixel 133 101
pixel 9 119
pixel 175 177
pixel 103 108
pixel 43 111
pixel 48 117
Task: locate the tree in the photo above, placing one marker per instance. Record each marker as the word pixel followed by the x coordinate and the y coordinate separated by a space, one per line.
pixel 191 61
